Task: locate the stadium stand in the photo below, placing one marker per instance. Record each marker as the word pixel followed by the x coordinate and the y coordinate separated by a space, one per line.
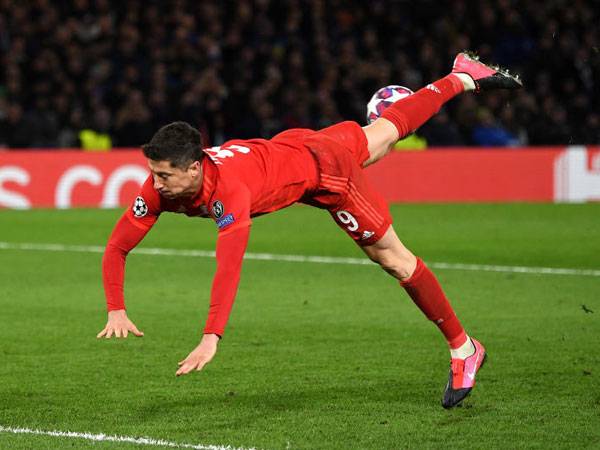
pixel 252 68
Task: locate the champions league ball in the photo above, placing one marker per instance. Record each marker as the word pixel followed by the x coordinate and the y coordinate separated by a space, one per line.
pixel 383 98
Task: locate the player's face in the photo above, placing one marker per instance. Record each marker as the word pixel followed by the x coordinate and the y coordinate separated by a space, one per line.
pixel 174 182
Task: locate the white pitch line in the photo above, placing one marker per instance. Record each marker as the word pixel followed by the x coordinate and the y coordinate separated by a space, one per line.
pixel 301 259
pixel 111 438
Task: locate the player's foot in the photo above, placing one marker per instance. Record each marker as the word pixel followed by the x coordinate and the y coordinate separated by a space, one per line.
pixel 462 376
pixel 484 76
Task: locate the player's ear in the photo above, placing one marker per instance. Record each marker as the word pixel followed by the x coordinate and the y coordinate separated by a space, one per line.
pixel 195 168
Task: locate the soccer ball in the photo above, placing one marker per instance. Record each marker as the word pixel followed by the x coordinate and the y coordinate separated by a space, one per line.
pixel 383 98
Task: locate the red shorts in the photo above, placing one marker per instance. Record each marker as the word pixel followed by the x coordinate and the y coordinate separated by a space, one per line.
pixel 340 151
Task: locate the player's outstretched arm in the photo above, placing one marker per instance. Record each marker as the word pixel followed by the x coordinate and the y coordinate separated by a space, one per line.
pixel 231 246
pixel 119 325
pixel 123 239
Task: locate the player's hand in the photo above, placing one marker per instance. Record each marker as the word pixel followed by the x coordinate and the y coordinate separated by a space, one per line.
pixel 200 356
pixel 119 324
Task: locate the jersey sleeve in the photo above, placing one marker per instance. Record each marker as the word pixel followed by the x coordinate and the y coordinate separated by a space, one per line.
pixel 146 207
pixel 131 228
pixel 230 208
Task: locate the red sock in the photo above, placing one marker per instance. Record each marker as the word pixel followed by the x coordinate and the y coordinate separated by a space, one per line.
pixel 413 111
pixel 425 290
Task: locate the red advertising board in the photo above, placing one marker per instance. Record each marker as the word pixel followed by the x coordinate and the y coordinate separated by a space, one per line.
pixel 69 178
pixel 467 175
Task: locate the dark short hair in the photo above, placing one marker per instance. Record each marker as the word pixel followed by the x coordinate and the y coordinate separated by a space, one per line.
pixel 178 142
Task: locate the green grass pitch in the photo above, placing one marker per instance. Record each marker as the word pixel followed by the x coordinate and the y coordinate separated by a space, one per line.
pixel 316 356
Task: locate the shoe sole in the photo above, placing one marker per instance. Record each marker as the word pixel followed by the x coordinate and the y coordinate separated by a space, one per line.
pixel 502 79
pixel 498 81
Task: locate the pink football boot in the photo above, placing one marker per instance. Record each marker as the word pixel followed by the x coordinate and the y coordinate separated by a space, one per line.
pixel 485 77
pixel 462 376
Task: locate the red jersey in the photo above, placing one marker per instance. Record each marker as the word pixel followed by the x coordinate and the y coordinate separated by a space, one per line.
pixel 241 179
pixel 247 178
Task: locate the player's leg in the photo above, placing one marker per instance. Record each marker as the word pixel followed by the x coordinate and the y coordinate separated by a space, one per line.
pixel 363 214
pixel 422 286
pixel 408 114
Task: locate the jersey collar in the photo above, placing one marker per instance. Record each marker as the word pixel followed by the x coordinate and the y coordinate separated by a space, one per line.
pixel 209 180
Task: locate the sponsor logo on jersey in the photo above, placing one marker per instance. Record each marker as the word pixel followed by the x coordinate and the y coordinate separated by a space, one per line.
pixel 433 88
pixel 218 209
pixel 367 234
pixel 227 220
pixel 140 209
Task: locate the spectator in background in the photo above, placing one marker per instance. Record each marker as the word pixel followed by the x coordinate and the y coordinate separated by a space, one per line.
pixel 96 137
pixel 550 127
pixel 490 133
pixel 133 124
pixel 42 123
pixel 4 126
pixel 227 67
pixel 14 131
pixel 440 131
pixel 590 130
pixel 68 136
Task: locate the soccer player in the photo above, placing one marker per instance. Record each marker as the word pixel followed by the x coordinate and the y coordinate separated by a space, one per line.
pixel 246 178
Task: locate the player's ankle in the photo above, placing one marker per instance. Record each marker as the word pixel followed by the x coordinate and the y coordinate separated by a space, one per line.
pixel 466 80
pixel 464 351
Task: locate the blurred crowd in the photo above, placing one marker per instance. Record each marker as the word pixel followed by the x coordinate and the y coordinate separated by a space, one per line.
pixel 251 68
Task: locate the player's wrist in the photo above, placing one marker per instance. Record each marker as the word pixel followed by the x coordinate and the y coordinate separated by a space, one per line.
pixel 117 313
pixel 211 337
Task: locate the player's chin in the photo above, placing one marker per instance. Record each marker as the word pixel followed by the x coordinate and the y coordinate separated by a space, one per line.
pixel 169 195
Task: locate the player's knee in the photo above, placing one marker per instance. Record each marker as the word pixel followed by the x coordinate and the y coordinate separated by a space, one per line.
pixel 376 154
pixel 400 271
pixel 381 136
pixel 400 267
